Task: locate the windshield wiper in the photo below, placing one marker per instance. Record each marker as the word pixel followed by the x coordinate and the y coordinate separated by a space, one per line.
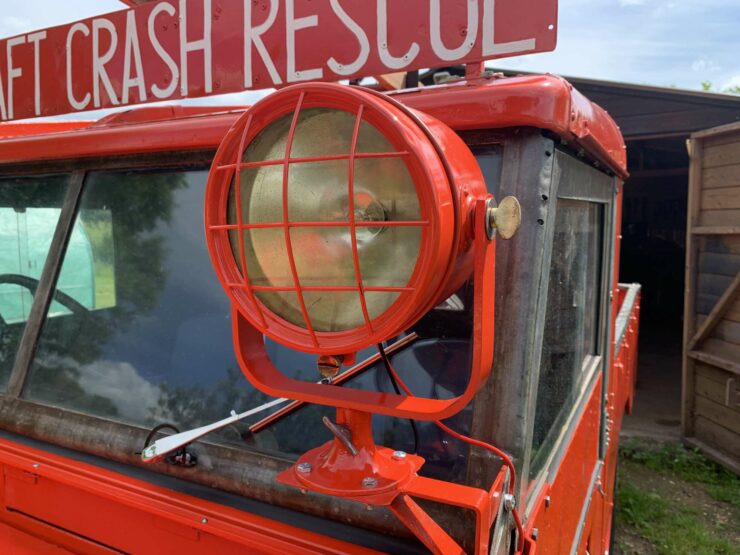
pixel 166 445
pixel 394 348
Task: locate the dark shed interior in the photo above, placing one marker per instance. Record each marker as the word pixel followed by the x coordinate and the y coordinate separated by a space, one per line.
pixel 656 123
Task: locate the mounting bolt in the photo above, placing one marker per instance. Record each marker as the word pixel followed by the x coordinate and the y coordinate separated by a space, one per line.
pixel 369 482
pixel 304 468
pixel 548 501
pixel 399 455
pixel 509 502
pixel 204 520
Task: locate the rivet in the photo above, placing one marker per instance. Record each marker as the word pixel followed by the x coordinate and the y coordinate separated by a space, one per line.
pixel 36 465
pixel 204 520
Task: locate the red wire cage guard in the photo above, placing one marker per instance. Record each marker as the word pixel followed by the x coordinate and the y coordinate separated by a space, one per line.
pixel 452 200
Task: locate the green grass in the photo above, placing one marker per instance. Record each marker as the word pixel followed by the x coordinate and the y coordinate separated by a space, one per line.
pixel 672 530
pixel 688 464
pixel 677 500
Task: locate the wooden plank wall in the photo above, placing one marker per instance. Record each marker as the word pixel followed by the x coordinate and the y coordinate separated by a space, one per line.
pixel 711 359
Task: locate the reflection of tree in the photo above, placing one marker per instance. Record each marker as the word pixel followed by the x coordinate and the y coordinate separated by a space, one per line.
pixel 139 204
pixel 189 407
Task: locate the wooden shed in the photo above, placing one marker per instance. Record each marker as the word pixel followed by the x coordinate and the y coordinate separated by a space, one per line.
pixel 711 341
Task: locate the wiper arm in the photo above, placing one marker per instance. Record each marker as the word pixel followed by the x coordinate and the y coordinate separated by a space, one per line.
pixel 394 348
pixel 166 445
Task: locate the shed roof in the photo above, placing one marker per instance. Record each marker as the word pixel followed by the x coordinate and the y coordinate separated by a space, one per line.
pixel 646 112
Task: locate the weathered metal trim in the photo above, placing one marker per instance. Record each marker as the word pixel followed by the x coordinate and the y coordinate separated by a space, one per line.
pixel 601 189
pixel 586 505
pixel 502 409
pixel 47 282
pixel 611 213
pixel 243 472
pixel 552 465
pixel 625 311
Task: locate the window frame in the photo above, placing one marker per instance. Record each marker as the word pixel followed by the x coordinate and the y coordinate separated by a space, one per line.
pixel 575 180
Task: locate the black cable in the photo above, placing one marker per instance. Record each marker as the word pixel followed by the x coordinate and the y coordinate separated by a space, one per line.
pixel 158 428
pixel 391 377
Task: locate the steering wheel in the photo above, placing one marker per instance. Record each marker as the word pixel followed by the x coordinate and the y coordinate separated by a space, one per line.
pixel 32 284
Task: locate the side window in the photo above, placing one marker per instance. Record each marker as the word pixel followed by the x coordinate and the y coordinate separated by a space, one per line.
pixel 143 336
pixel 29 212
pixel 571 337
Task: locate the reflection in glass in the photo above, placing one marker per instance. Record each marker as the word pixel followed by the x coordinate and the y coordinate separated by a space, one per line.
pixel 151 341
pixel 29 212
pixel 571 322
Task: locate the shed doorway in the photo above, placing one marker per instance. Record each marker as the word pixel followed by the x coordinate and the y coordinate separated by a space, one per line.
pixel 653 254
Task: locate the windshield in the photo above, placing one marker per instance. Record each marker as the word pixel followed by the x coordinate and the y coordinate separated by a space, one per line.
pixel 144 335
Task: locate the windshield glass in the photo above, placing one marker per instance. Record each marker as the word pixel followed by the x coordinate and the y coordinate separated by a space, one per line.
pixel 29 212
pixel 147 338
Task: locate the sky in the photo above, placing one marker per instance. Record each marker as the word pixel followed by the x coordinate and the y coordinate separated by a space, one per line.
pixel 671 43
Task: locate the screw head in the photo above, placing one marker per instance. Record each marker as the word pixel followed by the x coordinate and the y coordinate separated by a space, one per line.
pixel 204 520
pixel 369 482
pixel 399 455
pixel 304 468
pixel 509 502
pixel 36 465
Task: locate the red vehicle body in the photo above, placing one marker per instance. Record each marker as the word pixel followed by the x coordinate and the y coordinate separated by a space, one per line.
pixel 87 384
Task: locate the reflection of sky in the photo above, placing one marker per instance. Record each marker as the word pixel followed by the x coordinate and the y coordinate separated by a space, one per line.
pixel 190 330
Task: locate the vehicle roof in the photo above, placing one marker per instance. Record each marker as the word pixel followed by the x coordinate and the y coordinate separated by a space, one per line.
pixel 540 101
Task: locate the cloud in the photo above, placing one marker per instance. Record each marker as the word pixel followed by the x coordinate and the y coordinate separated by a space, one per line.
pixel 733 83
pixel 134 397
pixel 11 25
pixel 704 65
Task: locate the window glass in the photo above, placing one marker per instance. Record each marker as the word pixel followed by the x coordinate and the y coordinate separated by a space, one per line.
pixel 149 338
pixel 150 341
pixel 29 212
pixel 571 323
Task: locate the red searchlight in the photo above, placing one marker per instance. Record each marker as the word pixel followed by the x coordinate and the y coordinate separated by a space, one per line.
pixel 335 219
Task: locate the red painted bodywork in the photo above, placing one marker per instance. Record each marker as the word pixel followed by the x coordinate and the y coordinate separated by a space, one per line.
pixel 544 102
pixel 93 501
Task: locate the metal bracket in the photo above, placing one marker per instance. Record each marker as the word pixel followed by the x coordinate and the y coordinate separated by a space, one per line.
pixel 378 476
pixel 732 393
